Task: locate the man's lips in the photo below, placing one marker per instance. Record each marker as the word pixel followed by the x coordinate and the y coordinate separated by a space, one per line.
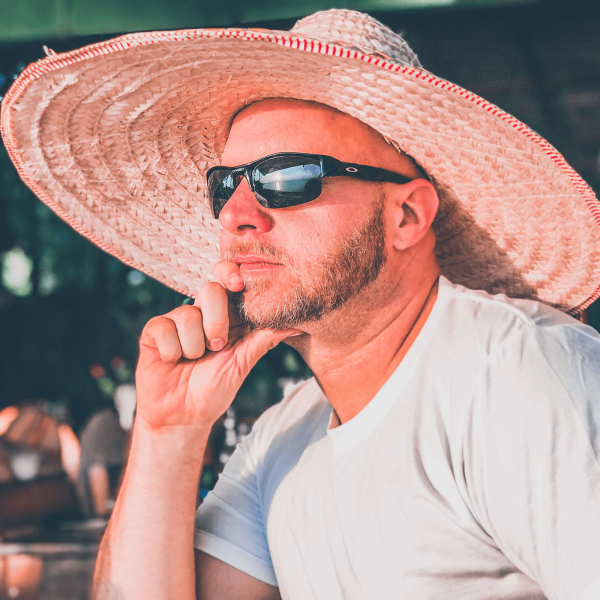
pixel 252 265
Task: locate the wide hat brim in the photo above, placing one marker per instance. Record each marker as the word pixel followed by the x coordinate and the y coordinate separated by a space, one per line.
pixel 117 137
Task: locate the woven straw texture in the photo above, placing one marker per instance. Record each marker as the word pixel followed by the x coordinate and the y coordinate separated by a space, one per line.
pixel 117 137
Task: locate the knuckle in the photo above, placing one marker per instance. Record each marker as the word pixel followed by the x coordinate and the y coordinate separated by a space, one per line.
pixel 184 308
pixel 223 270
pixel 157 325
pixel 163 327
pixel 153 322
pixel 222 265
pixel 193 346
pixel 189 317
pixel 213 287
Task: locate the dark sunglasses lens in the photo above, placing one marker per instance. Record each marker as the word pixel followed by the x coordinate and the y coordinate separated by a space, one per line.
pixel 221 186
pixel 288 180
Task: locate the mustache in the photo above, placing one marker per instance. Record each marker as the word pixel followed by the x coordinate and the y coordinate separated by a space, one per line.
pixel 258 248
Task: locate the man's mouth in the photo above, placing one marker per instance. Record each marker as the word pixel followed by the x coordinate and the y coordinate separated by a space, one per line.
pixel 255 265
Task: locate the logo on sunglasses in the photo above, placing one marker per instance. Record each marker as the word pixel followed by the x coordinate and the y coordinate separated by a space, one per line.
pixel 351 169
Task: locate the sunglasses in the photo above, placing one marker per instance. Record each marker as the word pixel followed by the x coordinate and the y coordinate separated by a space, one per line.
pixel 287 179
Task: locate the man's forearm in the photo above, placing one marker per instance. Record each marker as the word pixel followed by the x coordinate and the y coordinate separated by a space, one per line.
pixel 147 550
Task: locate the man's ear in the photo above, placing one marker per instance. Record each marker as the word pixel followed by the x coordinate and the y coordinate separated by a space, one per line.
pixel 414 206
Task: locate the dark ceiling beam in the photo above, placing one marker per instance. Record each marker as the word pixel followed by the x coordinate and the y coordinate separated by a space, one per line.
pixel 22 20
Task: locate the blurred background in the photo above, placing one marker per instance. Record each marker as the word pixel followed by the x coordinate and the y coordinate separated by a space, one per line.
pixel 70 315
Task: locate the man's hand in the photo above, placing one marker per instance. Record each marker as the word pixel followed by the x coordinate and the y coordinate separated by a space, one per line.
pixel 194 359
pixel 185 380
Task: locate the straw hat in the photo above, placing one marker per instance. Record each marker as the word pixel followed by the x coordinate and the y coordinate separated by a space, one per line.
pixel 117 137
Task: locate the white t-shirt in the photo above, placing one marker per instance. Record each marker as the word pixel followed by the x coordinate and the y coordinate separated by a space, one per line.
pixel 473 474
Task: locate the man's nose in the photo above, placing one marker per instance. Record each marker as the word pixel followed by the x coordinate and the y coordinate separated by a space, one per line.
pixel 243 212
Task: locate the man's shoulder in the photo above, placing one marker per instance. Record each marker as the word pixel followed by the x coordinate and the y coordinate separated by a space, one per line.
pixel 490 322
pixel 499 357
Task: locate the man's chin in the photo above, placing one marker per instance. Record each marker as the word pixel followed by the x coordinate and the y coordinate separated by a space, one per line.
pixel 263 302
pixel 269 309
pixel 269 286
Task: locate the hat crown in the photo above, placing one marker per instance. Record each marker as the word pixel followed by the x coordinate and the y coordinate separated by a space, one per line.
pixel 358 31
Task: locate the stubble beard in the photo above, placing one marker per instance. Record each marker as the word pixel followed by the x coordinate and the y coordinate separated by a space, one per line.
pixel 339 276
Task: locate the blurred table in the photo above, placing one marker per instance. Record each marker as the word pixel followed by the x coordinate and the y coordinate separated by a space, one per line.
pixel 25 501
pixel 53 562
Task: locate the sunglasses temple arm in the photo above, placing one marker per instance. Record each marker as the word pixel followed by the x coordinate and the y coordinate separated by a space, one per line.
pixel 366 173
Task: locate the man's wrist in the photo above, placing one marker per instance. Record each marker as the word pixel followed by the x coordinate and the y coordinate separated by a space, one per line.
pixel 168 449
pixel 185 432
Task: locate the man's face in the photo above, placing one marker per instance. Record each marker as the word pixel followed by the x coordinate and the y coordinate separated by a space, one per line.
pixel 302 262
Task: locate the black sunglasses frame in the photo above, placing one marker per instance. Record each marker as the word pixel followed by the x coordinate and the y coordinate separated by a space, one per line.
pixel 330 167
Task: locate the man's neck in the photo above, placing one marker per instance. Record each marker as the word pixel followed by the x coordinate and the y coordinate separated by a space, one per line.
pixel 351 366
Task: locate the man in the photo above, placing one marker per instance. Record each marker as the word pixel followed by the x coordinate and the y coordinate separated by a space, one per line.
pixel 104 448
pixel 447 445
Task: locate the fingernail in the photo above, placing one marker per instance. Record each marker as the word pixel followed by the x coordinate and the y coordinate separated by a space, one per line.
pixel 216 345
pixel 236 280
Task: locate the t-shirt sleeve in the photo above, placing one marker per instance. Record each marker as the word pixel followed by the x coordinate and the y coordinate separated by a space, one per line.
pixel 229 523
pixel 531 457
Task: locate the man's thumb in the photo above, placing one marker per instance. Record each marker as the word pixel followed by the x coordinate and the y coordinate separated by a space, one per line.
pixel 258 342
